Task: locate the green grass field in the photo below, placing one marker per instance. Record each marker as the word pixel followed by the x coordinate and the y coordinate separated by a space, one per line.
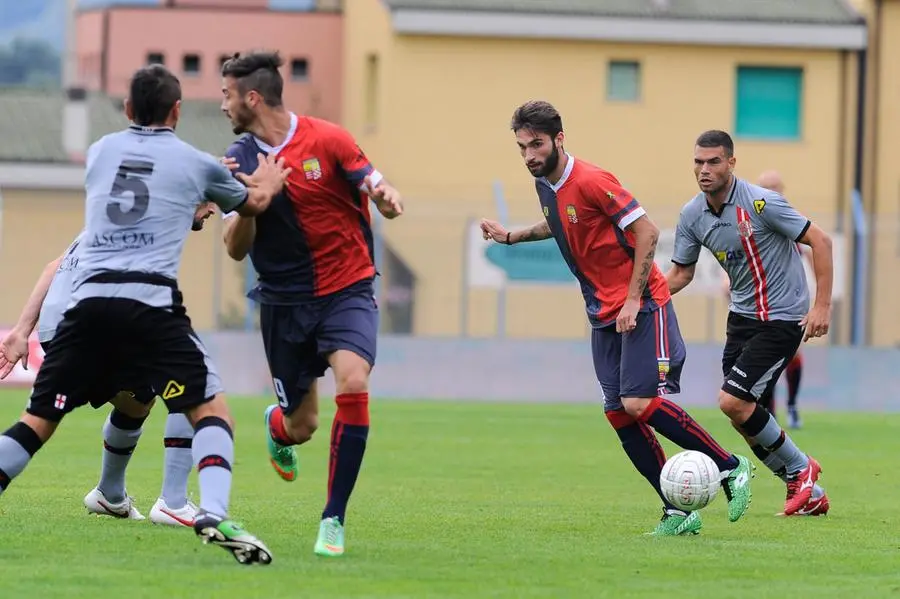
pixel 463 500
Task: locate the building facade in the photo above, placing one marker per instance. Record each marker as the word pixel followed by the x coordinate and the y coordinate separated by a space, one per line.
pixel 194 37
pixel 636 81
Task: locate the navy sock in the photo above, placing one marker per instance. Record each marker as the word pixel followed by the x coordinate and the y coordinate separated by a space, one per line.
pixel 793 374
pixel 349 435
pixel 642 448
pixel 677 426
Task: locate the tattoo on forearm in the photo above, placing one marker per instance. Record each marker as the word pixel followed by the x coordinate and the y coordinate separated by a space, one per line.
pixel 536 233
pixel 647 265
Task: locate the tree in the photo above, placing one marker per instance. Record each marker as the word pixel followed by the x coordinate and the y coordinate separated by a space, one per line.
pixel 30 62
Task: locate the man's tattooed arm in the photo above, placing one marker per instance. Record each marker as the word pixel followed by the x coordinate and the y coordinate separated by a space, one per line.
pixel 646 236
pixel 536 232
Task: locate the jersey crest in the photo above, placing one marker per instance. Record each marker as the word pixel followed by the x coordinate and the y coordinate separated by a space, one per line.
pixel 312 169
pixel 571 214
pixel 745 229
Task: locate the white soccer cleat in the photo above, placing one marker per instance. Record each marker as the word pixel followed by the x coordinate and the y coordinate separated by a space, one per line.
pixel 97 503
pixel 163 514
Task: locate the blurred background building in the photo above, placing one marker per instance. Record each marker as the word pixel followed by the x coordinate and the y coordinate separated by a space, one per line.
pixel 808 87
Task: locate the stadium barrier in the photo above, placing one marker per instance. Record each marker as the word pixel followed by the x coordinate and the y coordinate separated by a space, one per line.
pixel 834 378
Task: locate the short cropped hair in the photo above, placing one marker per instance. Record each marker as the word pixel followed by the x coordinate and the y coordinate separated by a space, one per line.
pixel 153 92
pixel 257 71
pixel 714 139
pixel 537 116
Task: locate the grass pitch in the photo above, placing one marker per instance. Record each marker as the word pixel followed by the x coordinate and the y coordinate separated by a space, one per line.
pixel 464 500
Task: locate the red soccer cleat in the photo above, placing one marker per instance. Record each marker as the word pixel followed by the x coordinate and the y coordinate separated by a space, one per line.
pixel 800 488
pixel 815 507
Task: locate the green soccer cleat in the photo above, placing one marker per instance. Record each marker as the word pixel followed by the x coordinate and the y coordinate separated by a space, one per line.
pixel 736 486
pixel 331 538
pixel 229 535
pixel 677 524
pixel 283 459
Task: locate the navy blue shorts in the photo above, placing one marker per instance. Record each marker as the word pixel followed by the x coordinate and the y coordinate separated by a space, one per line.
pixel 299 338
pixel 643 363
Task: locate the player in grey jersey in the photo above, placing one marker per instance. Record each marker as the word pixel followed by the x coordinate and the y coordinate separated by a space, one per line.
pixel 126 325
pixel 753 233
pixel 121 431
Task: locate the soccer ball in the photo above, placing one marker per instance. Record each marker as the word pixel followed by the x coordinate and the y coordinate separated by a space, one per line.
pixel 690 480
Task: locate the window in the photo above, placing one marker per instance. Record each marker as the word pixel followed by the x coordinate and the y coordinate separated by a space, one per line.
pixel 769 102
pixel 623 82
pixel 190 64
pixel 371 90
pixel 223 59
pixel 156 58
pixel 299 69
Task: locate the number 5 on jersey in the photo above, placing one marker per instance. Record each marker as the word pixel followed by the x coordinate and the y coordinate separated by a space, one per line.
pixel 130 178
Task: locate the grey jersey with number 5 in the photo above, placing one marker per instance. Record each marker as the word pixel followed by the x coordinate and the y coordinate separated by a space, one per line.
pixel 59 293
pixel 143 186
pixel 754 239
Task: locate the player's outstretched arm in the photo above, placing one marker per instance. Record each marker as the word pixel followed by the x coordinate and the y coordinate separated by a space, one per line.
pixel 491 229
pixel 680 276
pixel 818 320
pixel 14 347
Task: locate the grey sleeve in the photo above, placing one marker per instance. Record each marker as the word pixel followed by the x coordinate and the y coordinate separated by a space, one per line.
pixel 219 185
pixel 780 216
pixel 687 246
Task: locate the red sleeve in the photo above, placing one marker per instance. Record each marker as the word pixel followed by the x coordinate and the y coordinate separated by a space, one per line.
pixel 349 156
pixel 616 202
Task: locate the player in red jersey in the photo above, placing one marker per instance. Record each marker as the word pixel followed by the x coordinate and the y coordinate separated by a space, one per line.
pixel 313 252
pixel 609 242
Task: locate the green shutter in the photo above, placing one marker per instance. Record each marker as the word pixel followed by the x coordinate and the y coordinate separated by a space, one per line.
pixel 769 102
pixel 623 82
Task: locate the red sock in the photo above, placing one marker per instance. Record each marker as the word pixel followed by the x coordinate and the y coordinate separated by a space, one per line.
pixel 277 428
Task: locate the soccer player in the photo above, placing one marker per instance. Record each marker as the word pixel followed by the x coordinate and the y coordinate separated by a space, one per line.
pixel 121 432
pixel 313 252
pixel 754 234
pixel 126 324
pixel 793 373
pixel 609 243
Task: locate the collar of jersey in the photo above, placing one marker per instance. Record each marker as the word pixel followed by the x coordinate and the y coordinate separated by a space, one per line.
pixel 730 200
pixel 290 135
pixel 150 130
pixel 570 164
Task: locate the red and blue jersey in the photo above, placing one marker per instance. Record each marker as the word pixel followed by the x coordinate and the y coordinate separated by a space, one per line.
pixel 315 238
pixel 588 212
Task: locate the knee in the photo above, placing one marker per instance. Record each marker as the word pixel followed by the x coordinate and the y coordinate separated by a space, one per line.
pixel 353 380
pixel 126 404
pixel 636 406
pixel 215 408
pixel 736 409
pixel 43 429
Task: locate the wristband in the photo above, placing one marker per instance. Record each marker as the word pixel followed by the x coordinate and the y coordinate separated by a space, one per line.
pixel 508 240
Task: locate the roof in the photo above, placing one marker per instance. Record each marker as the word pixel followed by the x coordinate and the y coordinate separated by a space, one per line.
pixel 31 127
pixel 835 12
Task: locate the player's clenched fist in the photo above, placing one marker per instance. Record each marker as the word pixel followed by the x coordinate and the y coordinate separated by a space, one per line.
pixel 491 229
